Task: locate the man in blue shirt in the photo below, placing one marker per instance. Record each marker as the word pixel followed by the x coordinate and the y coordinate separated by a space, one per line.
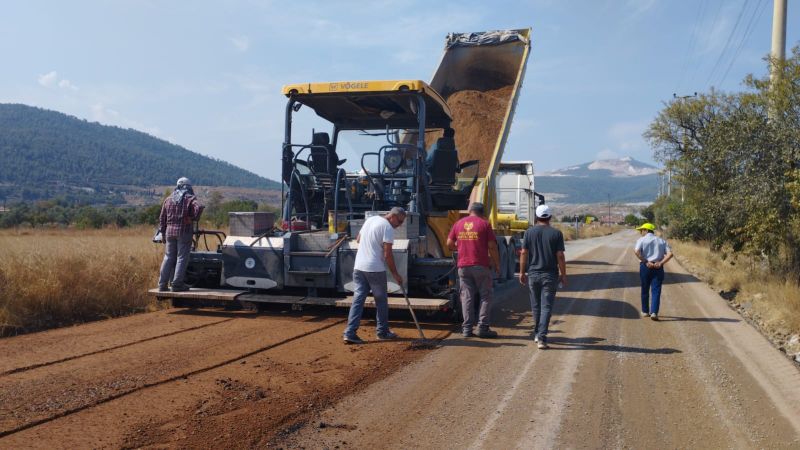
pixel 653 252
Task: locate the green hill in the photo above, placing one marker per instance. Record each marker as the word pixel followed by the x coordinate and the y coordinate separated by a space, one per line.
pixel 577 190
pixel 46 153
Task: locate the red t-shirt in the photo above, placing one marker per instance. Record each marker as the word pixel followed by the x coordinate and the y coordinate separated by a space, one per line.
pixel 472 236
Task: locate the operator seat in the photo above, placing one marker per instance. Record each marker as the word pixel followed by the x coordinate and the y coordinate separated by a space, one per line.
pixel 324 160
pixel 443 162
pixel 443 166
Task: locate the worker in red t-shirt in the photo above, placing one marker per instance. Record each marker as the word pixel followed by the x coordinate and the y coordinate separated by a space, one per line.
pixel 474 239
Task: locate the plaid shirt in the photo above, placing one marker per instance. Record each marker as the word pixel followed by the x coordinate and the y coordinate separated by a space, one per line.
pixel 173 222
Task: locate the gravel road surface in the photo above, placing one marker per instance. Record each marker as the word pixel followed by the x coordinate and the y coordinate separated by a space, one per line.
pixel 700 377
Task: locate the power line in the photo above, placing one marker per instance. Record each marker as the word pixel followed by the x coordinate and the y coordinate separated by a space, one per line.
pixel 692 41
pixel 712 27
pixel 728 42
pixel 754 18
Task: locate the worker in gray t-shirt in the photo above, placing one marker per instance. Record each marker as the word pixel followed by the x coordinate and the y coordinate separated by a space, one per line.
pixel 545 246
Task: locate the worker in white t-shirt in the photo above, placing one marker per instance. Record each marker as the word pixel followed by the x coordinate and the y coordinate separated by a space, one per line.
pixel 369 272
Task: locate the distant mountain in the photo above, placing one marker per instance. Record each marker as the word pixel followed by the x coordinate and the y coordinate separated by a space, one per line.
pixel 624 180
pixel 46 153
pixel 622 167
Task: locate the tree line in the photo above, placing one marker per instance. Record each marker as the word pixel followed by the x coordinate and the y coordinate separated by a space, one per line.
pixel 735 158
pixel 61 212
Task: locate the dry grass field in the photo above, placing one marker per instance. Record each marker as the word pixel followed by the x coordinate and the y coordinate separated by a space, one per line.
pixel 773 304
pixel 57 277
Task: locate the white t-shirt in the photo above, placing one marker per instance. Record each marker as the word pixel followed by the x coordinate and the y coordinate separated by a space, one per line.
pixel 374 233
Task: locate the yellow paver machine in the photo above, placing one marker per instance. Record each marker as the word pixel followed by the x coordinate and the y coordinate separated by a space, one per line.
pixel 404 158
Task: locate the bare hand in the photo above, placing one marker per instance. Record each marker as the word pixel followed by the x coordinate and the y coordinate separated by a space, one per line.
pixel 523 278
pixel 398 279
pixel 563 279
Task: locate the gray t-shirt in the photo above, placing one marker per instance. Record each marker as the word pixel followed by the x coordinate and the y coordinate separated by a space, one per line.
pixel 542 243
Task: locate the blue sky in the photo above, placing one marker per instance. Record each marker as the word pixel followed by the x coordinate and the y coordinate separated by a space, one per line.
pixel 207 75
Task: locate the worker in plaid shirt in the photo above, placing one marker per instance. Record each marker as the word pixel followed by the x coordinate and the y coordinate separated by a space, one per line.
pixel 175 223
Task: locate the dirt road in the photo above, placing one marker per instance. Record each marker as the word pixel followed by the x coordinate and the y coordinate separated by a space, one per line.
pixel 185 378
pixel 700 378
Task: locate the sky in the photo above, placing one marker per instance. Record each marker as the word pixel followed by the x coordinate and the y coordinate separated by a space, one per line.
pixel 208 75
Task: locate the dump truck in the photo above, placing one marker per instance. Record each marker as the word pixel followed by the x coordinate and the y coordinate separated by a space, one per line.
pixel 305 256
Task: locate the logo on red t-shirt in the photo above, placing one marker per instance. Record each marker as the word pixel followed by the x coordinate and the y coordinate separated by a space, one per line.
pixel 472 236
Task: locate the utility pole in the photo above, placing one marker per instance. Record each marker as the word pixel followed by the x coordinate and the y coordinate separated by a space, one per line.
pixel 778 34
pixel 609 209
pixel 681 168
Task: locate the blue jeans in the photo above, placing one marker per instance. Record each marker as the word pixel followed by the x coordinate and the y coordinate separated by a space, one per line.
pixel 543 287
pixel 176 259
pixel 364 282
pixel 652 279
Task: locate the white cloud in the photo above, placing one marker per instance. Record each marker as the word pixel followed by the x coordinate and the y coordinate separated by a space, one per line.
pixel 606 154
pixel 48 79
pixel 102 114
pixel 65 84
pixel 242 43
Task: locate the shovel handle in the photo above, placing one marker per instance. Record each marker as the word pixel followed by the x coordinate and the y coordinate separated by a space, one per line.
pixel 413 316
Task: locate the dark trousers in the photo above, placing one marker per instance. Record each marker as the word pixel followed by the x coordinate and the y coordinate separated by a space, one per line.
pixel 543 287
pixel 652 279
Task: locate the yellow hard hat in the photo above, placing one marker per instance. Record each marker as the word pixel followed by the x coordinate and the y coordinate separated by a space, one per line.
pixel 647 226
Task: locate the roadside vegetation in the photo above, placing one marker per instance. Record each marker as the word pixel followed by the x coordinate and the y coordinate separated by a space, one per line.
pixel 64 212
pixel 56 277
pixel 771 302
pixel 735 158
pixel 64 264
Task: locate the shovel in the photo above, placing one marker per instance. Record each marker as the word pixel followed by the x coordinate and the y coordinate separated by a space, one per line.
pixel 422 342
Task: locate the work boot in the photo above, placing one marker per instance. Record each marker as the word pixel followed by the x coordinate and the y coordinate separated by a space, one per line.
pixel 180 288
pixel 163 289
pixel 467 333
pixel 354 339
pixel 487 334
pixel 387 336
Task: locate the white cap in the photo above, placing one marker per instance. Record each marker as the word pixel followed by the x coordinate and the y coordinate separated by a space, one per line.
pixel 184 181
pixel 543 212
